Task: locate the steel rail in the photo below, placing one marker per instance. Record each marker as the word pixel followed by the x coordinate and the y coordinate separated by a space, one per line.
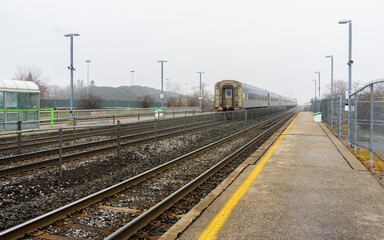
pixel 53 151
pixel 141 221
pixel 44 138
pixel 92 152
pixel 54 215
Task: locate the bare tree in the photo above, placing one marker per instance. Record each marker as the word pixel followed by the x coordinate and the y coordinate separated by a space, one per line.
pixel 55 92
pixel 193 99
pixel 145 101
pixel 175 101
pixel 339 88
pixel 79 84
pixel 32 74
pixel 175 87
pixel 90 102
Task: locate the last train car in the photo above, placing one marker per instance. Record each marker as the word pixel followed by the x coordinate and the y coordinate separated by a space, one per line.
pixel 234 95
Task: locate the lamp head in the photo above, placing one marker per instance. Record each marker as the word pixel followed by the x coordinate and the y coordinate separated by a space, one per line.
pixel 88 61
pixel 344 21
pixel 329 56
pixel 71 34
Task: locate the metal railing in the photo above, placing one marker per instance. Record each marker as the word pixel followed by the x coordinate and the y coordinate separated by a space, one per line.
pixel 53 143
pixel 364 111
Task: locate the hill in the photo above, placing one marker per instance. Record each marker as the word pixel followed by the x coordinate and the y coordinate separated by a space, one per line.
pixel 124 92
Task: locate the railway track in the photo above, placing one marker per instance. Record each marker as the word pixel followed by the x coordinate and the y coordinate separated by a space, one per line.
pixel 190 170
pixel 46 138
pixel 92 148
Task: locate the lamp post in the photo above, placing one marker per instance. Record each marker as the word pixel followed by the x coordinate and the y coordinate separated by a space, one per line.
pixel 71 35
pixel 132 76
pixel 201 95
pixel 162 78
pixel 331 57
pixel 87 61
pixel 350 62
pixel 314 80
pixel 319 84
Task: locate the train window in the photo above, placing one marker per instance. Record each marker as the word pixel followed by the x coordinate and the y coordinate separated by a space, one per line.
pixel 228 93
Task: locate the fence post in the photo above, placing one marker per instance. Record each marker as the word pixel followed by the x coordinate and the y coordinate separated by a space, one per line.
pixel 201 123
pixel 118 140
pixel 225 118
pixel 355 130
pixel 138 117
pixel 340 116
pixel 245 115
pixel 51 117
pixel 19 134
pixel 60 152
pixel 371 127
pixel 185 122
pixel 155 132
pixel 113 117
pixel 332 115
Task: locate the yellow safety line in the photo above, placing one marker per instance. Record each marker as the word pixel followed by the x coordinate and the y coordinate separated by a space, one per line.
pixel 214 227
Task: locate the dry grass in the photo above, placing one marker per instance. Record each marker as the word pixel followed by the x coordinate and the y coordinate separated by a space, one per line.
pixel 364 157
pixel 344 127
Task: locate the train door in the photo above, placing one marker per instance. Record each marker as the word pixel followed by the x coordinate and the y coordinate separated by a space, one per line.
pixel 227 97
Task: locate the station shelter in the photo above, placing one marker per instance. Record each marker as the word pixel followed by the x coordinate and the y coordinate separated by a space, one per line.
pixel 19 100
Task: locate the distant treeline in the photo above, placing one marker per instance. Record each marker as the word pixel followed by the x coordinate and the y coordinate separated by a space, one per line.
pixel 55 103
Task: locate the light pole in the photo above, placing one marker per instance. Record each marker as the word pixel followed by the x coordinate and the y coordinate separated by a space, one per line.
pixel 319 83
pixel 87 61
pixel 200 97
pixel 132 76
pixel 314 80
pixel 162 78
pixel 350 62
pixel 71 35
pixel 331 57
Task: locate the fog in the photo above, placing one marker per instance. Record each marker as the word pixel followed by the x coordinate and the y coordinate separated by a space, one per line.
pixel 275 45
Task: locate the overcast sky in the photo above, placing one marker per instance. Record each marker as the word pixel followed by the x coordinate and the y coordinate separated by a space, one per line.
pixel 276 44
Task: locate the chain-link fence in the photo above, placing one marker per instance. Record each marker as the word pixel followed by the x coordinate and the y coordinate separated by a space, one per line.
pixel 360 120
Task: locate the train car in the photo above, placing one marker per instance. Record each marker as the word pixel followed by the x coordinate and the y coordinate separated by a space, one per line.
pixel 234 95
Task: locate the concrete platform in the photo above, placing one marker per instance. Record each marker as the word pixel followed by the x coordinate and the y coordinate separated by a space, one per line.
pixel 309 188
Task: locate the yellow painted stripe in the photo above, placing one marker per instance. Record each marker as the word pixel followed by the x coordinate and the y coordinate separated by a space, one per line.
pixel 214 227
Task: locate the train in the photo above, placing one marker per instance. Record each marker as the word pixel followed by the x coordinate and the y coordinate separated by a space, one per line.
pixel 232 95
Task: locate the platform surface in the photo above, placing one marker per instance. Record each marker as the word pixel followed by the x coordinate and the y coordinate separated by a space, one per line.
pixel 306 190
